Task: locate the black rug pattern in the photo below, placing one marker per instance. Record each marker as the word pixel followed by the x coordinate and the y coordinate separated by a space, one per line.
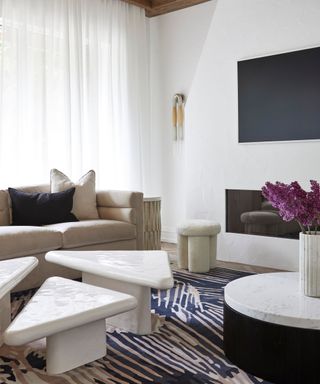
pixel 186 347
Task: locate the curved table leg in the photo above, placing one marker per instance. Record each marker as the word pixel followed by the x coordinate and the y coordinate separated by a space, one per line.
pixel 5 314
pixel 137 320
pixel 75 347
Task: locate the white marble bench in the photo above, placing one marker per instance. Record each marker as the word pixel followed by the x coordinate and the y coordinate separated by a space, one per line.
pixel 11 273
pixel 71 315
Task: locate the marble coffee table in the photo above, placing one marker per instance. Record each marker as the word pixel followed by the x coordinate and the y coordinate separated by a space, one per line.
pixel 271 329
pixel 131 272
pixel 11 273
pixel 71 316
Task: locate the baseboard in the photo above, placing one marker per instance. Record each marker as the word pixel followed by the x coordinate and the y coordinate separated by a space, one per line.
pixel 168 235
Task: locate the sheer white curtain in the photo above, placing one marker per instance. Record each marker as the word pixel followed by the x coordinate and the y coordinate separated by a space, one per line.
pixel 73 91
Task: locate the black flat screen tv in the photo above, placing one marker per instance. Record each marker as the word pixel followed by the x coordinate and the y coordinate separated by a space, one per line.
pixel 279 97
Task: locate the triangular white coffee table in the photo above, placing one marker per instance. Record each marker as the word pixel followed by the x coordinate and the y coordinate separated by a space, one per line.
pixel 71 315
pixel 133 272
pixel 11 273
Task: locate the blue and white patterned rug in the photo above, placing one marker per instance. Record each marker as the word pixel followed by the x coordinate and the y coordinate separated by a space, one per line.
pixel 187 347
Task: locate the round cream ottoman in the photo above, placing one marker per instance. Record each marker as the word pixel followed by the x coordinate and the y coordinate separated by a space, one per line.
pixel 197 245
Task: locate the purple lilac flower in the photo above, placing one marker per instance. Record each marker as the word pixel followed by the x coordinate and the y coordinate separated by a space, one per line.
pixel 294 203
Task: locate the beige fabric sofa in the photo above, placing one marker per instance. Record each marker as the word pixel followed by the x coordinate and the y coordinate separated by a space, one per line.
pixel 120 226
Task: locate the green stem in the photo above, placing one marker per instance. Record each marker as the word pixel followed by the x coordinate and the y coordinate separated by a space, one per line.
pixel 301 226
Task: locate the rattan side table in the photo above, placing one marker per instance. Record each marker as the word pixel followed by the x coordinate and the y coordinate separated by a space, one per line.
pixel 152 223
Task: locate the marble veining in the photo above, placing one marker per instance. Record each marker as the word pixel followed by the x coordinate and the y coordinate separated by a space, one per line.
pixel 147 268
pixel 274 297
pixel 13 271
pixel 61 303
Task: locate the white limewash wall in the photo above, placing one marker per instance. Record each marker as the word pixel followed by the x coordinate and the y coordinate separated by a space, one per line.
pixel 176 43
pixel 196 51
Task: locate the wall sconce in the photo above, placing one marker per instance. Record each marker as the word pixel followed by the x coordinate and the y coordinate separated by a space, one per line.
pixel 178 102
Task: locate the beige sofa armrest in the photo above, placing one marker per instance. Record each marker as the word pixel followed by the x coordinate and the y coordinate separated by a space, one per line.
pixel 4 208
pixel 123 206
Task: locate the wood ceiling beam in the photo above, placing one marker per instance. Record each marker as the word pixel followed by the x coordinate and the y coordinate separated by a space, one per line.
pixel 160 7
pixel 146 4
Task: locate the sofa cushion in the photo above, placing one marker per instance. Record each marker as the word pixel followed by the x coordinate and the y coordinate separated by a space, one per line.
pixel 26 240
pixel 84 199
pixel 41 208
pixel 89 232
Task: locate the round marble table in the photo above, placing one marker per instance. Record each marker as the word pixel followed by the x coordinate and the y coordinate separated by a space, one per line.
pixel 271 329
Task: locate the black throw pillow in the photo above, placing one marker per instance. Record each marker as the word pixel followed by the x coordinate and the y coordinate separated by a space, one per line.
pixel 41 208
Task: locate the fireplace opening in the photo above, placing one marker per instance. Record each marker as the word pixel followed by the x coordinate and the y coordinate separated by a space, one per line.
pixel 248 212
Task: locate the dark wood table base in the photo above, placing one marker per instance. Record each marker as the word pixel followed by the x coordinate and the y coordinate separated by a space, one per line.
pixel 277 353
